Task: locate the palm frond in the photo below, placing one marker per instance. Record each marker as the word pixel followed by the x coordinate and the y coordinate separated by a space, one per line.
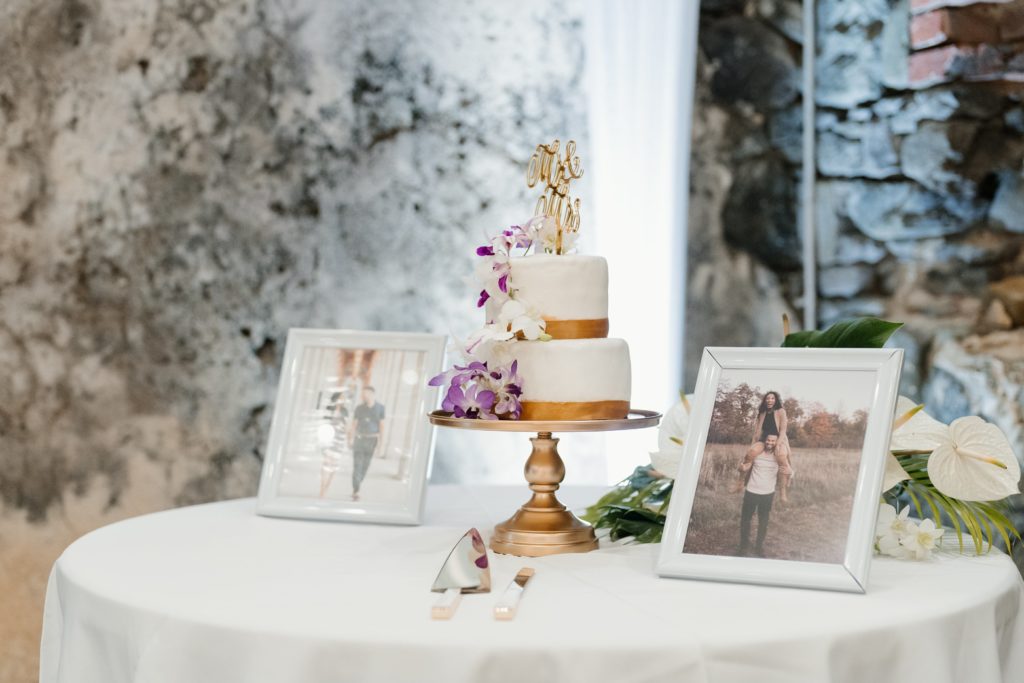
pixel 985 522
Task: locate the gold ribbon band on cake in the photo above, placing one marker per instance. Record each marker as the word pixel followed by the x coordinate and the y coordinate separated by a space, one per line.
pixel 574 410
pixel 577 329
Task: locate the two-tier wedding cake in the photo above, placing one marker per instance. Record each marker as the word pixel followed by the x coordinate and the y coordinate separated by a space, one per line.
pixel 544 351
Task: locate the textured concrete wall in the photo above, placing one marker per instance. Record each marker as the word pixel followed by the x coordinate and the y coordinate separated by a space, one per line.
pixel 180 182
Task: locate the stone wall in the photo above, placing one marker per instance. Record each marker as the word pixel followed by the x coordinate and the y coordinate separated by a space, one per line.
pixel 920 192
pixel 920 180
pixel 182 181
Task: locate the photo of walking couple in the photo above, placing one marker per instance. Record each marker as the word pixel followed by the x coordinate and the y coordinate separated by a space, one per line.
pixel 780 465
pixel 356 413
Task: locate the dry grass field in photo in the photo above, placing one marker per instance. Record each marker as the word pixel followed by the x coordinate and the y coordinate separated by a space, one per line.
pixel 812 527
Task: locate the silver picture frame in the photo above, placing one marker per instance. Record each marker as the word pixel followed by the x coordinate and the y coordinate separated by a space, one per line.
pixel 313 468
pixel 851 574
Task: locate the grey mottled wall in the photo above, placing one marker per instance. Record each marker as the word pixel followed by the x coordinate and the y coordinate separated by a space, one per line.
pixel 181 181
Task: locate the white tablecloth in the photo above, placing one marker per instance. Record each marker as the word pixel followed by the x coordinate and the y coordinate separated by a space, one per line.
pixel 215 593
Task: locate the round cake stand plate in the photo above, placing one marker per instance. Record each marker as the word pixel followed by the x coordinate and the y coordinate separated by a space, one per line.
pixel 543 526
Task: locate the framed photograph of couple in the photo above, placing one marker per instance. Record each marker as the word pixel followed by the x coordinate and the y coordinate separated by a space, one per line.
pixel 350 439
pixel 782 467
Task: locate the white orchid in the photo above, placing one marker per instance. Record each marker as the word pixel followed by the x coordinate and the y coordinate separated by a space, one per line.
pixel 889 527
pixel 515 319
pixel 478 344
pixel 918 540
pixel 897 535
pixel 518 318
pixel 490 280
pixel 545 233
pixel 670 437
pixel 890 521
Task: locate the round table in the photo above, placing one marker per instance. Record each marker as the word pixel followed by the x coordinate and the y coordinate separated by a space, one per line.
pixel 216 593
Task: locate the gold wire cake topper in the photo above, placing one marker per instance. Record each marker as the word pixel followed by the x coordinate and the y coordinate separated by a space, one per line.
pixel 556 174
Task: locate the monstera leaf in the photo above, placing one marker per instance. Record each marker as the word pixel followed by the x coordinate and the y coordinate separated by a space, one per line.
pixel 861 333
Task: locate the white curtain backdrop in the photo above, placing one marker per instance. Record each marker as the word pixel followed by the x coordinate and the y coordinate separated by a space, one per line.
pixel 641 62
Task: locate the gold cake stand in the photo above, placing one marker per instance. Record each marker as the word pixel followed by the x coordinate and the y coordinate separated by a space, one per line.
pixel 543 526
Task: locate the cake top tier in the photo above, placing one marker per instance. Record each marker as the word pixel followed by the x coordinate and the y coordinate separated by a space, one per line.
pixel 571 287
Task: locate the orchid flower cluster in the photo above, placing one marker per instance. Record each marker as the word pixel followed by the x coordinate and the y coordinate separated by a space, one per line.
pixel 476 391
pixel 487 385
pixel 494 271
pixel 516 318
pixel 897 535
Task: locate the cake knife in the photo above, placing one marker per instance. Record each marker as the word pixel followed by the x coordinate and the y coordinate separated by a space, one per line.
pixel 465 571
pixel 508 603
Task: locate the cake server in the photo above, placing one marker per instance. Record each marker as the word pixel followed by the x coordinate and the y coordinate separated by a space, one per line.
pixel 466 570
pixel 508 603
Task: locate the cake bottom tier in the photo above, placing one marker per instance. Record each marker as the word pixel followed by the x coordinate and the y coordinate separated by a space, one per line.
pixel 573 379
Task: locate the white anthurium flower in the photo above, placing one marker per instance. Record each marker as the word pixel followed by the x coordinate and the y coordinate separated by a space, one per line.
pixel 915 430
pixel 894 472
pixel 906 411
pixel 671 433
pixel 974 462
pixel 918 540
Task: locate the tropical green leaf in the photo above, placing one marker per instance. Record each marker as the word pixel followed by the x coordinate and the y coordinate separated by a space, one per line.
pixel 616 495
pixel 917 503
pixel 1002 522
pixel 635 508
pixel 859 333
pixel 997 521
pixel 936 515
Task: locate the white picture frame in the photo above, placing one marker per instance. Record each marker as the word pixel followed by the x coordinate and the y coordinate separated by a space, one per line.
pixel 337 450
pixel 827 365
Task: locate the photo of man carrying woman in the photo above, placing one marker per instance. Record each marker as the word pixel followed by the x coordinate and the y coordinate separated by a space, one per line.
pixel 780 465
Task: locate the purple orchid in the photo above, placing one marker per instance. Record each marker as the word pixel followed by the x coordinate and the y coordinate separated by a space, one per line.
pixel 508 388
pixel 498 252
pixel 478 392
pixel 459 374
pixel 519 236
pixel 474 402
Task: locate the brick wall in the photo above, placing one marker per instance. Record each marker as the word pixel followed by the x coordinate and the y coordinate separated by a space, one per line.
pixel 966 40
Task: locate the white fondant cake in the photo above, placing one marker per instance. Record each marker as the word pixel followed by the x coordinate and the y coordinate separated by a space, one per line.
pixel 566 287
pixel 580 373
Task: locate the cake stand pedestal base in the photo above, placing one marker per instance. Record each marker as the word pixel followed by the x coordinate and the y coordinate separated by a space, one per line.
pixel 543 526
